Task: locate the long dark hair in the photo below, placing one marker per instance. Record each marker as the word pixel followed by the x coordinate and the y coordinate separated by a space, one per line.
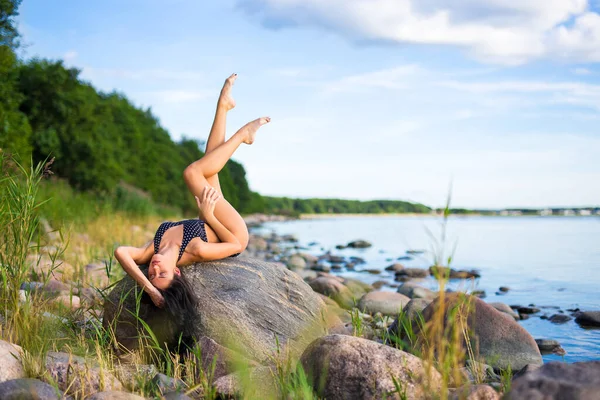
pixel 180 300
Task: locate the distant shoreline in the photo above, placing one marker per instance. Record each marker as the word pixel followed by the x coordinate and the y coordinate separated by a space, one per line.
pixel 415 215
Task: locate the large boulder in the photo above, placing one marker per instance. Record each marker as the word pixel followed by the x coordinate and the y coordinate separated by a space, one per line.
pixel 25 388
pixel 347 367
pixel 387 303
pixel 557 380
pixel 246 304
pixel 496 339
pixel 415 291
pixel 10 361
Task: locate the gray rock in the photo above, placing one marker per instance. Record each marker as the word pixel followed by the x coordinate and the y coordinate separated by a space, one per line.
pixel 387 303
pixel 79 377
pixel 309 258
pixel 528 310
pixel 217 360
pixel 359 244
pixel 415 291
pixel 114 395
pixel 505 308
pixel 347 367
pixel 556 380
pixel 550 346
pixel 475 392
pixel 10 361
pixel 395 267
pixel 175 396
pixel 588 318
pixel 306 274
pixel 500 340
pixel 409 273
pixel 167 384
pixel 247 303
pixel 559 318
pixel 334 289
pixel 133 375
pixel 25 389
pixel 296 262
pixel 357 287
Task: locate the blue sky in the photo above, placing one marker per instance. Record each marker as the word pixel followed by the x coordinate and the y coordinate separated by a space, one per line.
pixel 369 98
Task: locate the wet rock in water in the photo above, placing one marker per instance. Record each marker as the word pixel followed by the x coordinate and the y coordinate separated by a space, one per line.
pixel 504 289
pixel 26 388
pixel 347 367
pixel 257 243
pixel 357 260
pixel 334 289
pixel 588 318
pixel 395 267
pixel 387 303
pixel 415 291
pixel 252 303
pixel 528 310
pixel 439 271
pixel 114 395
pixel 379 284
pixel 338 267
pixel 500 341
pixel 78 376
pixel 415 251
pixel 505 308
pixel 309 258
pixel 475 392
pixel 359 244
pixel 557 381
pixel 404 258
pixel 372 271
pixel 479 293
pixel 295 262
pixel 322 267
pixel 523 317
pixel 10 361
pixel 306 274
pixel 559 318
pixel 550 346
pixel 411 273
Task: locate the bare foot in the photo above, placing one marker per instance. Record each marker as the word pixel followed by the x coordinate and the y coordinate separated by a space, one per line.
pixel 225 99
pixel 249 130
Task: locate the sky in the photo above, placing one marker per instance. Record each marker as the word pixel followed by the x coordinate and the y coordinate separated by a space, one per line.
pixel 369 99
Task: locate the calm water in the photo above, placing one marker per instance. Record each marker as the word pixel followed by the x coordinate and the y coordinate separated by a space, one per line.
pixel 546 261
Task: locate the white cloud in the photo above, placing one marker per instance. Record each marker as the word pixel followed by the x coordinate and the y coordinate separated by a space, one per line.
pixel 581 71
pixel 70 55
pixel 392 78
pixel 497 31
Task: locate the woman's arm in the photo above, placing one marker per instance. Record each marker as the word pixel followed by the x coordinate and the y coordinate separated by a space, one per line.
pixel 129 258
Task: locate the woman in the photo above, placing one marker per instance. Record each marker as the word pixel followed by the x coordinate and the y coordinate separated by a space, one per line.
pixel 219 232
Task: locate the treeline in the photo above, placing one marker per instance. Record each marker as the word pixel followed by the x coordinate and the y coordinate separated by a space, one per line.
pixel 101 142
pixel 285 205
pixel 111 152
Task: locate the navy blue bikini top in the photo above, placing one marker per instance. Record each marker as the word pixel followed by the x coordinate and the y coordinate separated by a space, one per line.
pixel 192 228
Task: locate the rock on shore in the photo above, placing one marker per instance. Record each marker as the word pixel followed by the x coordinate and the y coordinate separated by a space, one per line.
pixel 240 301
pixel 347 367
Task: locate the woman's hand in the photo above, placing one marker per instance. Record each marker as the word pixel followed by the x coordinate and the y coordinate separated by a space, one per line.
pixel 157 298
pixel 206 205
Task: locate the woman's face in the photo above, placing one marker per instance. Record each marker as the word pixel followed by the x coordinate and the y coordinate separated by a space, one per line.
pixel 161 271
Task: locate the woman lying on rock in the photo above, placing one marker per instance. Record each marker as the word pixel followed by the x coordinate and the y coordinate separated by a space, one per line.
pixel 219 232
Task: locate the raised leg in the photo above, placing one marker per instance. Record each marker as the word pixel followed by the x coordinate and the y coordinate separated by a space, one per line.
pixel 195 176
pixel 217 131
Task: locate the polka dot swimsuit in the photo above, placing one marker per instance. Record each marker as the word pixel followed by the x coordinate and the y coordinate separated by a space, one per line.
pixel 192 228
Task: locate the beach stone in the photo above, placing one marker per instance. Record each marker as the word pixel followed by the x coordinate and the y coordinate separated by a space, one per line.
pixel 557 381
pixel 528 310
pixel 53 287
pixel 505 308
pixel 95 274
pixel 504 289
pixel 550 346
pixel 412 273
pixel 247 305
pixel 378 284
pixel 386 303
pixel 334 289
pixel 167 384
pixel 322 267
pixel 114 395
pixel 500 340
pixel 559 318
pixel 475 392
pixel 347 367
pixel 357 287
pixel 10 361
pixel 175 396
pixel 359 244
pixel 26 388
pixel 306 274
pixel 130 375
pixel 526 369
pixel 66 300
pixel 415 291
pixel 257 243
pixel 588 318
pixel 309 258
pixel 79 377
pixel 395 267
pixel 296 262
